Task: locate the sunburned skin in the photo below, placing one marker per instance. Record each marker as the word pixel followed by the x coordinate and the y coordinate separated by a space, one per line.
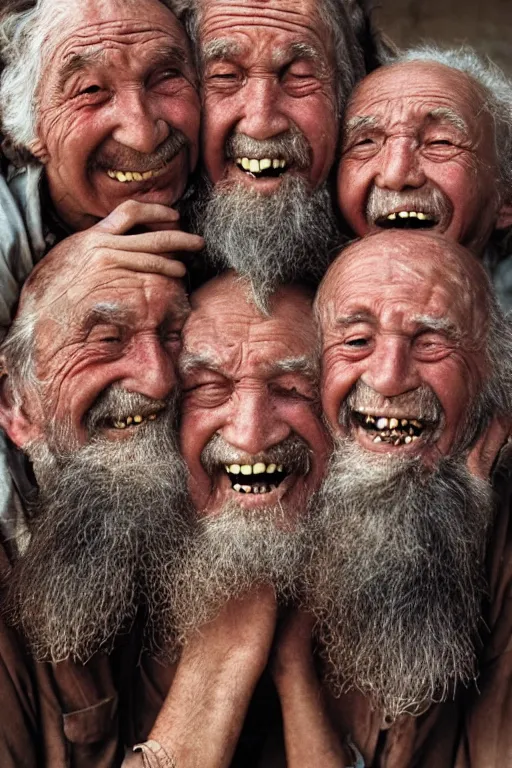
pixel 113 327
pixel 250 381
pixel 268 77
pixel 419 153
pixel 403 319
pixel 119 111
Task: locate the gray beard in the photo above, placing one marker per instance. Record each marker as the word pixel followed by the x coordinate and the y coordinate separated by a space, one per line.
pixel 106 538
pixel 233 552
pixel 397 576
pixel 270 239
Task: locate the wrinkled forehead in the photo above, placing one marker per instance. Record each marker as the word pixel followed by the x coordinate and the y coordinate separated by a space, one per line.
pixel 105 23
pixel 419 275
pixel 220 19
pixel 225 321
pixel 417 84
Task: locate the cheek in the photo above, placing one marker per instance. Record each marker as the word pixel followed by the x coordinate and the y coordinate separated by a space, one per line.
pixel 337 382
pixel 353 186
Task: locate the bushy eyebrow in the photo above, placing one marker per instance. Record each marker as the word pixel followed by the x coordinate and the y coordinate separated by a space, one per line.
pixel 447 115
pixel 303 364
pixel 345 321
pixel 219 48
pixel 190 361
pixel 106 312
pixel 79 62
pixel 443 324
pixel 358 122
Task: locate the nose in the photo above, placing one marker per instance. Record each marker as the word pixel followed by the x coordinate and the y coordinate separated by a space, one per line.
pixel 150 369
pixel 262 116
pixel 136 126
pixel 252 426
pixel 391 369
pixel 401 165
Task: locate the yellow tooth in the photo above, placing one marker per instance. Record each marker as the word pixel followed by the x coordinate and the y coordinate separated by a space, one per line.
pixel 393 423
pixel 403 215
pixel 119 424
pixel 408 439
pixel 137 419
pixel 245 163
pixel 283 163
pixel 147 175
pixel 271 469
pixel 392 217
pixel 258 468
pixel 137 176
pixel 254 166
pixel 404 422
pixel 265 163
pixel 246 488
pixel 129 420
pixel 112 174
pixel 421 216
pixel 234 469
pixel 413 214
pixel 246 469
pixel 279 467
pixel 120 176
pixel 128 176
pixel 415 423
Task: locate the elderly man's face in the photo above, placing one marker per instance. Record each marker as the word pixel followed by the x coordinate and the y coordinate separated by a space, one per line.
pixel 403 345
pixel 251 431
pixel 118 109
pixel 104 341
pixel 419 153
pixel 269 99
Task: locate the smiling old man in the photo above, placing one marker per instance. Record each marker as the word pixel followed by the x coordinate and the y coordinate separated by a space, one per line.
pixel 410 567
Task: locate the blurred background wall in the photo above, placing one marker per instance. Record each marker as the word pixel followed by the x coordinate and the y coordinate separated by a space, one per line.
pixel 484 24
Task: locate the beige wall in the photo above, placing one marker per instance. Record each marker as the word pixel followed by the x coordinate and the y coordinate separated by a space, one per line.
pixel 484 24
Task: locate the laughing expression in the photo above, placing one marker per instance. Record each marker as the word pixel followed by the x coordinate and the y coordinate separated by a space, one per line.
pixel 118 109
pixel 419 153
pixel 403 325
pixel 269 98
pixel 251 429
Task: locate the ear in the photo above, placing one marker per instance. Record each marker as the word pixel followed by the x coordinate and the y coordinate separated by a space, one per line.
pixel 504 216
pixel 13 418
pixel 39 150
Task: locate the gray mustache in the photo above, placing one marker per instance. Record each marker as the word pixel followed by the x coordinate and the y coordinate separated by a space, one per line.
pixel 292 452
pixel 124 158
pixel 428 199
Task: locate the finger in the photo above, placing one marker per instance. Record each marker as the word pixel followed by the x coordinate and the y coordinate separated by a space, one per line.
pixel 157 264
pixel 131 213
pixel 159 242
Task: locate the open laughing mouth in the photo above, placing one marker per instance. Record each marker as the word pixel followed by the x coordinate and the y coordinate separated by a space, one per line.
pixel 256 478
pixel 407 220
pixel 265 168
pixel 127 422
pixel 127 176
pixel 392 430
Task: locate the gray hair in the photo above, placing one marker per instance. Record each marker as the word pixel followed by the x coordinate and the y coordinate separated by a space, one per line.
pixel 25 43
pixel 357 47
pixel 496 90
pixel 17 354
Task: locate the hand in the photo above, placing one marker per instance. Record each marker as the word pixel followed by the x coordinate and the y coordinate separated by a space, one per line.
pixel 107 247
pixel 203 714
pixel 310 738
